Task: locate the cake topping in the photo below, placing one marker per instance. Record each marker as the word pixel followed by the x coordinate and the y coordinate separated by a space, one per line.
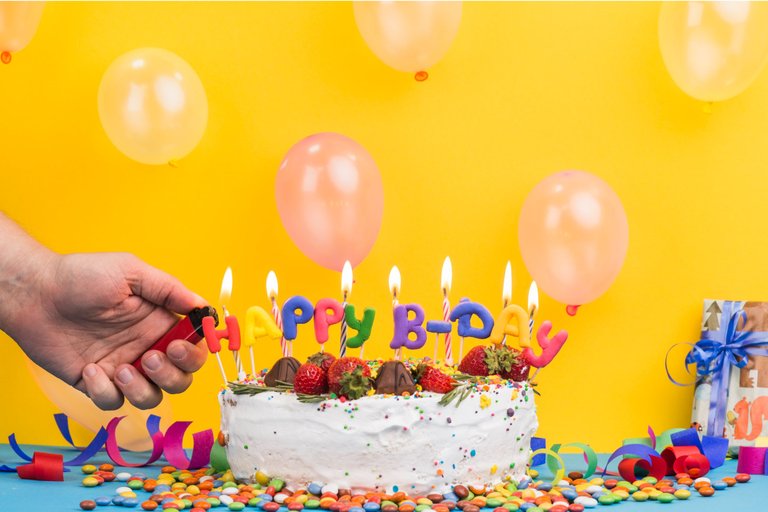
pixel 322 359
pixel 310 379
pixel 349 377
pixel 394 379
pixel 284 371
pixel 489 360
pixel 432 379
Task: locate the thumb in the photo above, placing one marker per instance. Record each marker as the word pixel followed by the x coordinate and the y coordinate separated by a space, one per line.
pixel 162 289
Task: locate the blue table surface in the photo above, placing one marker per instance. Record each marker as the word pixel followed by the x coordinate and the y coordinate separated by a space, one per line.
pixel 28 495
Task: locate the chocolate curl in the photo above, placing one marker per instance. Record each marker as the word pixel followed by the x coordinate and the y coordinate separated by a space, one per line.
pixel 113 450
pixel 45 466
pixel 174 451
pixel 752 460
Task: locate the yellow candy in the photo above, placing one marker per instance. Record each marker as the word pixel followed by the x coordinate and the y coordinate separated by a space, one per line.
pixel 495 494
pixel 528 493
pixel 546 505
pixel 227 477
pixel 582 487
pixel 506 493
pixel 596 481
pixel 128 494
pixel 533 473
pixel 193 490
pixel 621 494
pixel 90 481
pixel 88 469
pixel 258 492
pixel 423 501
pixel 302 499
pixel 178 486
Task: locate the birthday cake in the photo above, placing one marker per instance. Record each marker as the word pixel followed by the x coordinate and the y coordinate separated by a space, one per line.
pixel 374 425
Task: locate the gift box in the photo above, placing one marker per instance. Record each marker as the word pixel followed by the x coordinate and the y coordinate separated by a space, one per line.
pixel 731 393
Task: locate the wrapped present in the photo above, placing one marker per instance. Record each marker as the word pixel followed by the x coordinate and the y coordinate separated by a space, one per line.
pixel 731 394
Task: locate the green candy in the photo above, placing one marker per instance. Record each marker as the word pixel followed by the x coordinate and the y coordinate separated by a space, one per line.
pixel 230 484
pixel 512 507
pixel 187 503
pixel 651 480
pixel 236 505
pixel 605 499
pixel 535 509
pixel 277 484
pixel 310 504
pixel 214 502
pixel 511 487
pixel 421 508
pixel 665 497
pixel 388 503
pixel 136 484
pixel 493 503
pixel 255 501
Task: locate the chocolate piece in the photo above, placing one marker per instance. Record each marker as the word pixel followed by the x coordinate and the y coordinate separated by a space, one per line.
pixel 284 370
pixel 394 378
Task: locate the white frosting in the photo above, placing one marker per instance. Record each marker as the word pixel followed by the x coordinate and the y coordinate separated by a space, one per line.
pixel 381 441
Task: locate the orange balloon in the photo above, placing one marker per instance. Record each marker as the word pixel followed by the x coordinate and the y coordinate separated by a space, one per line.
pixel 573 236
pixel 18 24
pixel 408 36
pixel 131 432
pixel 153 106
pixel 331 199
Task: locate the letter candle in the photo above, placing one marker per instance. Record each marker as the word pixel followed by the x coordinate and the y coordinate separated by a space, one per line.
pixel 506 291
pixel 446 278
pixel 285 346
pixel 213 338
pixel 224 295
pixel 533 305
pixel 346 290
pixel 394 288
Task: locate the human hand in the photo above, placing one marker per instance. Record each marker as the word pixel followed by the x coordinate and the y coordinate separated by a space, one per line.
pixel 86 317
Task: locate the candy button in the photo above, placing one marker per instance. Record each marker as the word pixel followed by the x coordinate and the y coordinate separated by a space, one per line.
pixel 706 491
pixel 742 478
pixel 90 481
pixel 719 485
pixel 586 501
pixel 665 497
pixel 88 504
pixel 149 505
pixel 606 499
pixel 639 496
pixel 236 506
pixel 682 494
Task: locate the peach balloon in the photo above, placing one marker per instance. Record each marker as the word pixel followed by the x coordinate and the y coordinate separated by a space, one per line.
pixel 18 24
pixel 408 36
pixel 573 236
pixel 152 106
pixel 714 50
pixel 331 199
pixel 132 431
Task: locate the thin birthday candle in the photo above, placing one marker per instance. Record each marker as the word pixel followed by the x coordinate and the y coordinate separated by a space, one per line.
pixel 346 290
pixel 286 347
pixel 446 278
pixel 506 291
pixel 533 305
pixel 394 288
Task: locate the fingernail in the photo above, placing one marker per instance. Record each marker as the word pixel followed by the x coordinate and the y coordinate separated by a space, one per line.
pixel 153 362
pixel 125 376
pixel 90 371
pixel 177 352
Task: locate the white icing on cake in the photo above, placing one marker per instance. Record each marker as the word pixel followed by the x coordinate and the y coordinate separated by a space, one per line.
pixel 381 441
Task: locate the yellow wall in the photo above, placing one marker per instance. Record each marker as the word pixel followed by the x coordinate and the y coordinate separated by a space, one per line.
pixel 526 90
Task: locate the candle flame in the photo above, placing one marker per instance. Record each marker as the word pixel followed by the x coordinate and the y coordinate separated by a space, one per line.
pixel 506 292
pixel 447 276
pixel 394 281
pixel 226 287
pixel 346 279
pixel 271 285
pixel 533 298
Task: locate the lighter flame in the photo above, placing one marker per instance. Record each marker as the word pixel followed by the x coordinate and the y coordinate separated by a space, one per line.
pixel 447 276
pixel 533 298
pixel 226 287
pixel 506 292
pixel 394 281
pixel 271 285
pixel 346 279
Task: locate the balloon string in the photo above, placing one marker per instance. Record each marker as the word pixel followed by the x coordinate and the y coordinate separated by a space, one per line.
pixel 6 57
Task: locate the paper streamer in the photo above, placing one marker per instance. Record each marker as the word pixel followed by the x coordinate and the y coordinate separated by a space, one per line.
pixel 537 443
pixel 174 451
pixel 696 465
pixel 715 448
pixel 687 437
pixel 62 423
pixel 114 451
pixel 752 460
pixel 672 453
pixel 44 466
pixel 589 456
pixel 638 450
pixel 560 473
pixel 636 469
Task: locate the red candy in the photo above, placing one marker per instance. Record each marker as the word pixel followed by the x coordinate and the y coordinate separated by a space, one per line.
pixel 88 505
pixel 743 478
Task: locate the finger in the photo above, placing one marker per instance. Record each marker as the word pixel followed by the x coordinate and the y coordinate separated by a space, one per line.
pixel 187 356
pixel 101 389
pixel 160 288
pixel 164 373
pixel 136 388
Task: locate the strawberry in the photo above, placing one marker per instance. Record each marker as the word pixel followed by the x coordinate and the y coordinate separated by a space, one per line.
pixel 349 377
pixel 432 379
pixel 519 369
pixel 322 359
pixel 310 380
pixel 488 360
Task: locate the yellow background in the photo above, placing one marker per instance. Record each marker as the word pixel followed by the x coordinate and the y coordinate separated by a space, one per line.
pixel 526 90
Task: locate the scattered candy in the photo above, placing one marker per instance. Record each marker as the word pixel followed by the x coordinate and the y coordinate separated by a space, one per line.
pixel 88 504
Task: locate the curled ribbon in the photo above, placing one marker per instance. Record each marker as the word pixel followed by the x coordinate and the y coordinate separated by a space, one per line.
pixel 560 472
pixel 589 456
pixel 174 452
pixel 153 427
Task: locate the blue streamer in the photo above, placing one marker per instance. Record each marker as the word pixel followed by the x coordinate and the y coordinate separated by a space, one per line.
pixel 538 443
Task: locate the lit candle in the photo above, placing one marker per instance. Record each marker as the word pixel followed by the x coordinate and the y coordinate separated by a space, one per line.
pixel 346 291
pixel 224 295
pixel 285 346
pixel 533 305
pixel 445 283
pixel 506 291
pixel 394 288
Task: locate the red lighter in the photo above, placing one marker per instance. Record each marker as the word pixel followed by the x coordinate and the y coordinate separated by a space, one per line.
pixel 189 328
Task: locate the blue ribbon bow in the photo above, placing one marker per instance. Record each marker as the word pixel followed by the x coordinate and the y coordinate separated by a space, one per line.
pixel 717 351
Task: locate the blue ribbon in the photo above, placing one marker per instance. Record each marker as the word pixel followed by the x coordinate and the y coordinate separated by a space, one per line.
pixel 717 351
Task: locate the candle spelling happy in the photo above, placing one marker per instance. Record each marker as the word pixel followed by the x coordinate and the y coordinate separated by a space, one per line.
pixel 225 294
pixel 346 291
pixel 506 291
pixel 285 346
